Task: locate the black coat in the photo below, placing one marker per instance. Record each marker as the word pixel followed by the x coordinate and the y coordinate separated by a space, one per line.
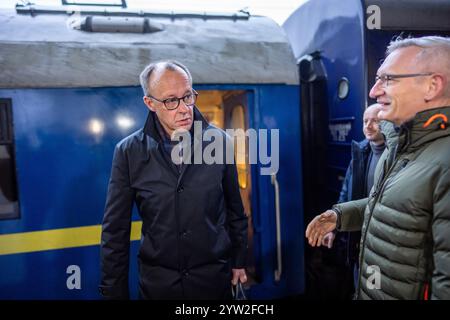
pixel 354 188
pixel 194 228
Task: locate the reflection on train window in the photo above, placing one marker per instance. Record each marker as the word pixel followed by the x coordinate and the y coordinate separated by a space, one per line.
pixel 238 122
pixel 9 206
pixel 211 104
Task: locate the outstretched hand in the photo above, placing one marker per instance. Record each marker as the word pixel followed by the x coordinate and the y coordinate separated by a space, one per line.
pixel 320 226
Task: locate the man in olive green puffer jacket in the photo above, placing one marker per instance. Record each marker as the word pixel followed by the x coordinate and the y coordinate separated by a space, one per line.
pixel 405 221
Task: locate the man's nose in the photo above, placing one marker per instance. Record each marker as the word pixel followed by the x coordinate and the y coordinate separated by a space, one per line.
pixel 377 90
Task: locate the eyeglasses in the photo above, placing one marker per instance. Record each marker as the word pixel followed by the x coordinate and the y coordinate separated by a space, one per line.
pixel 173 103
pixel 385 78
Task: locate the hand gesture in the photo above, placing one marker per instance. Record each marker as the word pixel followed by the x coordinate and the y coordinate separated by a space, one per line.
pixel 320 226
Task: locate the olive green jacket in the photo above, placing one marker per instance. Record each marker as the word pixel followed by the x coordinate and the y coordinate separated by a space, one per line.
pixel 405 242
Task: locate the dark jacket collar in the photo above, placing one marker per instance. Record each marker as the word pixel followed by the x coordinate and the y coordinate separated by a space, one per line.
pixel 361 146
pixel 150 127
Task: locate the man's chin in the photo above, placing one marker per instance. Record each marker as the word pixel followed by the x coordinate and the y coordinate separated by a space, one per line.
pixel 185 127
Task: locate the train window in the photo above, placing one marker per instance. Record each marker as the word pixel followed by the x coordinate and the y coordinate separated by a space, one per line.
pixel 343 88
pixel 238 122
pixel 9 206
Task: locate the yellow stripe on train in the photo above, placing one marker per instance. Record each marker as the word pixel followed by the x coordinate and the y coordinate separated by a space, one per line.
pixel 57 239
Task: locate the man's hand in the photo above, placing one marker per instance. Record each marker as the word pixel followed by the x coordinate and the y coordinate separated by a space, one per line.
pixel 320 226
pixel 328 239
pixel 238 274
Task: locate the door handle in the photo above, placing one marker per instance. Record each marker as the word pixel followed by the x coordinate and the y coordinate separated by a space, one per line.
pixel 279 269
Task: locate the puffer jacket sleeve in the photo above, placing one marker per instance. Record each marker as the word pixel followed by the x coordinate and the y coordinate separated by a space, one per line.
pixel 440 282
pixel 236 218
pixel 116 226
pixel 351 214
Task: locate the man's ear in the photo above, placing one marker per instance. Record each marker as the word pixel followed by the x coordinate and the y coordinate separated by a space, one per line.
pixel 436 87
pixel 149 103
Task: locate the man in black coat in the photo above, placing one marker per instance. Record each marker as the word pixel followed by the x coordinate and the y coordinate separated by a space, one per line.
pixel 357 184
pixel 194 230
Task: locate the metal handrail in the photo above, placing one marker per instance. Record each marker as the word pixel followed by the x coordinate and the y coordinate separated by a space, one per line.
pixel 279 269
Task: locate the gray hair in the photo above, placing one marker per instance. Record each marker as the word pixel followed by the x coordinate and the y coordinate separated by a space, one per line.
pixel 171 65
pixel 434 56
pixel 373 105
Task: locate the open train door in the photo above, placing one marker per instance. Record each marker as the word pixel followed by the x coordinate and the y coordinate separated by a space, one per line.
pixel 275 247
pixel 235 108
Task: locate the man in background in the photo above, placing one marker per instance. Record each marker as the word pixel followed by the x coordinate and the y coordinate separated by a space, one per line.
pixel 357 184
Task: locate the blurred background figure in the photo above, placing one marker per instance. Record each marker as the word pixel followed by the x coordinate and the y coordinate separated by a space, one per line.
pixel 357 184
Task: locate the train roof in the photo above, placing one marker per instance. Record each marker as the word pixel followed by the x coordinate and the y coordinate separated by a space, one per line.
pixel 48 47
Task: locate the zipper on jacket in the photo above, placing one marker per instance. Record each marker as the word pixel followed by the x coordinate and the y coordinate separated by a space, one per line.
pixel 376 195
pixel 378 192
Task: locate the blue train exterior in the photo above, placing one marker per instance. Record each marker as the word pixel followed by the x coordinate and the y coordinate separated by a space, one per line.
pixel 69 92
pixel 339 46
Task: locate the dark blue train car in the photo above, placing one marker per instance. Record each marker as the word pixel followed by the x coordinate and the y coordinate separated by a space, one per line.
pixel 339 46
pixel 69 92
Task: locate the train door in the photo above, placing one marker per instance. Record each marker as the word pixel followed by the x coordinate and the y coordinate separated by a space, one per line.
pixel 329 123
pixel 236 117
pixel 271 202
pixel 228 110
pixel 314 115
